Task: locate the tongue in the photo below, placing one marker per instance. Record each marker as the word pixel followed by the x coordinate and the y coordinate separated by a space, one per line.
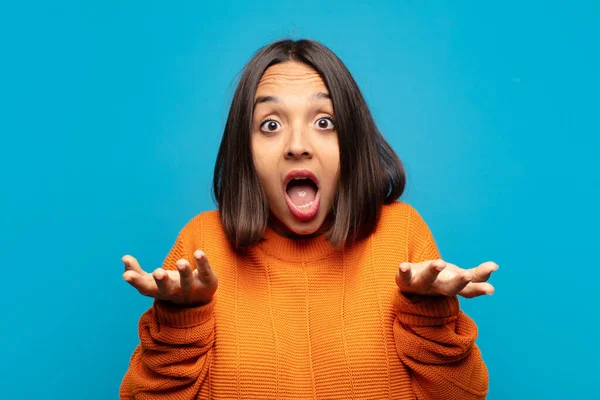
pixel 301 193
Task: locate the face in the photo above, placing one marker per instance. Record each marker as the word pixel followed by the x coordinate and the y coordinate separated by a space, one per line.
pixel 295 147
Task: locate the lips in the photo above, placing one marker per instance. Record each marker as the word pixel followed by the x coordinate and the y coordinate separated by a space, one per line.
pixel 306 211
pixel 300 173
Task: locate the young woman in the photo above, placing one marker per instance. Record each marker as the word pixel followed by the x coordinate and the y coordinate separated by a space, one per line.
pixel 310 280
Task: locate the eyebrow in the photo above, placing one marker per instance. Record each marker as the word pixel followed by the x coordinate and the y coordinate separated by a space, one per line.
pixel 275 99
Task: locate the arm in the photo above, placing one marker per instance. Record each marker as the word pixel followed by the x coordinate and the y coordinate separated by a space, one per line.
pixel 434 339
pixel 176 347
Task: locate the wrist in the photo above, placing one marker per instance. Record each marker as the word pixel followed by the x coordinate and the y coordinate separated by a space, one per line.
pixel 177 316
pixel 423 310
pixel 172 304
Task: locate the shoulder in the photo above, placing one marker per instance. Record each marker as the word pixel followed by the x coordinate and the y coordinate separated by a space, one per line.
pixel 392 241
pixel 404 225
pixel 203 227
pixel 399 214
pixel 401 225
pixel 198 221
pixel 205 232
pixel 393 224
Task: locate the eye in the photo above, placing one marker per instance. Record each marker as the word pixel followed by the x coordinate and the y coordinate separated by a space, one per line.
pixel 326 123
pixel 269 125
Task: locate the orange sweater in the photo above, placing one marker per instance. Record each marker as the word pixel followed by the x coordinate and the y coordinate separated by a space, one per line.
pixel 298 319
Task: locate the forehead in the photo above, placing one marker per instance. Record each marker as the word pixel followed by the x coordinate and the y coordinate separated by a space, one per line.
pixel 290 76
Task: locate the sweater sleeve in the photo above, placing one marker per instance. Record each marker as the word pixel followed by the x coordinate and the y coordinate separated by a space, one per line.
pixel 176 346
pixel 434 338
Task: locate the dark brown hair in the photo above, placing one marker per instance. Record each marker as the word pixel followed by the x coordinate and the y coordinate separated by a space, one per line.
pixel 371 174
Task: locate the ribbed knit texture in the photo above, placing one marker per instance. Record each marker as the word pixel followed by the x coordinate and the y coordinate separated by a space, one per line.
pixel 298 319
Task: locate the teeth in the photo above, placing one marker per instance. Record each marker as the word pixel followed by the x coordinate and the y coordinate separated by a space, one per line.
pixel 305 206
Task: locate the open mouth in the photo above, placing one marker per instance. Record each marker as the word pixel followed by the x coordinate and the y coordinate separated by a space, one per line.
pixel 302 194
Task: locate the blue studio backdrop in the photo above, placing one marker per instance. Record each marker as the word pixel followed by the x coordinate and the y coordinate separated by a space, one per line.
pixel 111 114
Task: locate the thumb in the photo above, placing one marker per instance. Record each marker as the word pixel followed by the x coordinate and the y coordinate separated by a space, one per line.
pixel 405 274
pixel 205 272
pixel 131 264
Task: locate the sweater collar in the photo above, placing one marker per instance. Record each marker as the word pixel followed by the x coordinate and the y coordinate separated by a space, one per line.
pixel 289 249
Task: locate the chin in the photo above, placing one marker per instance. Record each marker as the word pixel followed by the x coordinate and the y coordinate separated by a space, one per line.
pixel 304 229
pixel 290 226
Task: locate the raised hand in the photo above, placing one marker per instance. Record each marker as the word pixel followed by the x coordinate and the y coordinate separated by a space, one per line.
pixel 437 277
pixel 184 287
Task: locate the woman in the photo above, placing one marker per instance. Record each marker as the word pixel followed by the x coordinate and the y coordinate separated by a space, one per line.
pixel 320 283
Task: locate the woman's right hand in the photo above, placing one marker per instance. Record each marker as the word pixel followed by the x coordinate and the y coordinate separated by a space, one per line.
pixel 185 287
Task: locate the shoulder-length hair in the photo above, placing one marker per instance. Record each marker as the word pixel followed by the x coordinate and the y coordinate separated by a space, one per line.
pixel 370 174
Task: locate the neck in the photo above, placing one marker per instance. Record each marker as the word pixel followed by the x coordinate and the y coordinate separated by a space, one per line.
pixel 297 248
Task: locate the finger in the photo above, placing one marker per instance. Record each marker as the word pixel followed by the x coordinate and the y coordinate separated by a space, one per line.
pixel 482 272
pixel 205 272
pixel 186 278
pixel 475 289
pixel 144 283
pixel 164 283
pixel 404 274
pixel 430 273
pixel 131 264
pixel 458 282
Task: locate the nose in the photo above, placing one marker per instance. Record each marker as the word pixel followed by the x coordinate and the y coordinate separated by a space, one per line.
pixel 298 145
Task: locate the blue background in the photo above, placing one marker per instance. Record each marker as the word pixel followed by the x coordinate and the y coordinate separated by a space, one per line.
pixel 111 114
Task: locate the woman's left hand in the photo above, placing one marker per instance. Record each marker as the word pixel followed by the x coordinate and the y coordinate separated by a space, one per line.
pixel 437 277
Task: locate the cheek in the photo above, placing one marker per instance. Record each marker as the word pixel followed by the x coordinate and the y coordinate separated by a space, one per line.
pixel 262 171
pixel 332 160
pixel 265 168
pixel 258 157
pixel 332 166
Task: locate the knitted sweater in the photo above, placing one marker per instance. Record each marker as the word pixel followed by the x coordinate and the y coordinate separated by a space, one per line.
pixel 299 319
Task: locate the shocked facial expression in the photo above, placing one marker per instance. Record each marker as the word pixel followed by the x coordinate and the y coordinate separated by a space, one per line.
pixel 295 147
